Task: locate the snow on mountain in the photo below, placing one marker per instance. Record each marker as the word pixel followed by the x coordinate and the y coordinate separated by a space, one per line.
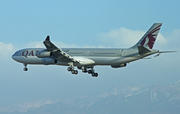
pixel 175 84
pixel 138 99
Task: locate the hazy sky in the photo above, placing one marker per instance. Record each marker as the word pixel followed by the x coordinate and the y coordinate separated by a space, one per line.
pixel 100 23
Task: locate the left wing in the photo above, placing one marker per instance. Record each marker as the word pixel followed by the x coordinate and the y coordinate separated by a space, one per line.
pixel 58 53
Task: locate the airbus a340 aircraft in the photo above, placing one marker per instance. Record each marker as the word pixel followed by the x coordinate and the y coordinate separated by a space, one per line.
pixel 86 58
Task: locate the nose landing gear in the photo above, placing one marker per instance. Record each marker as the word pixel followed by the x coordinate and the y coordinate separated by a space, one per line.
pixel 25 67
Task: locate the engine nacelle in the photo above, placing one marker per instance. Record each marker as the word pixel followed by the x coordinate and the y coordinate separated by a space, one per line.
pixel 44 54
pixel 118 66
pixel 48 61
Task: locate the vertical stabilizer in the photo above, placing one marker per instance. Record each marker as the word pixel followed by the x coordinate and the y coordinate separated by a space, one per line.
pixel 149 38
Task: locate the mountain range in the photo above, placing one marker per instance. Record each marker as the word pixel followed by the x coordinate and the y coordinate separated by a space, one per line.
pixel 134 99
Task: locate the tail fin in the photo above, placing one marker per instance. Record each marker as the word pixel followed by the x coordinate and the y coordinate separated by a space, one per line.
pixel 149 38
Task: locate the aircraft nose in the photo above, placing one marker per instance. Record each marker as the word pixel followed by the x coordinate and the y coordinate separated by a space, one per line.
pixel 13 57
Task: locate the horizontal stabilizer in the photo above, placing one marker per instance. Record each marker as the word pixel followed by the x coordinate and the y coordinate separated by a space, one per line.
pixel 167 51
pixel 158 53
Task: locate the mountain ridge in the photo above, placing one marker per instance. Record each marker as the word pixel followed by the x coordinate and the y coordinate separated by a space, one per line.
pixel 121 98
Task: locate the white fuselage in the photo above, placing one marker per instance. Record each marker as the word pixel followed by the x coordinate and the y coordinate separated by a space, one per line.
pixel 87 56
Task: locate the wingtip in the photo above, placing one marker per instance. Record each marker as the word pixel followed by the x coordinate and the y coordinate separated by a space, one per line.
pixel 158 24
pixel 47 38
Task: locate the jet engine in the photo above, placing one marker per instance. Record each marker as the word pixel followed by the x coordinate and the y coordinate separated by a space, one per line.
pixel 48 61
pixel 43 54
pixel 118 66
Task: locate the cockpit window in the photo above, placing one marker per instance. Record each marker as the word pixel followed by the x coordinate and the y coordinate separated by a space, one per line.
pixel 18 53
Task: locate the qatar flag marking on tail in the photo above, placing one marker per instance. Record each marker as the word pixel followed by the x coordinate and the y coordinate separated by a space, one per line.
pixel 150 38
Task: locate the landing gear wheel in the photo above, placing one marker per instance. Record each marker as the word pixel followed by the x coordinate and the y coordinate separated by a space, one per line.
pixel 93 74
pixel 96 74
pixel 84 71
pixel 89 71
pixel 75 72
pixel 25 69
pixel 69 68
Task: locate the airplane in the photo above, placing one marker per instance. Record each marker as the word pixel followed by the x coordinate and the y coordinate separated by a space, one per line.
pixel 86 59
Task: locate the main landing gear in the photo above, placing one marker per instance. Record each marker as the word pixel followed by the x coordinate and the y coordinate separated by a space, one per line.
pixel 84 70
pixel 25 67
pixel 71 69
pixel 91 71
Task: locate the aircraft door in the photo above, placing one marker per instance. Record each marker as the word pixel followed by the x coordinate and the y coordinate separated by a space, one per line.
pixel 123 52
pixel 87 53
